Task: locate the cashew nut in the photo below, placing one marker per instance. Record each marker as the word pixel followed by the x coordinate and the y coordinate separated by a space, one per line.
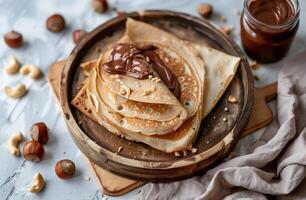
pixel 32 70
pixel 13 143
pixel 38 184
pixel 16 92
pixel 13 66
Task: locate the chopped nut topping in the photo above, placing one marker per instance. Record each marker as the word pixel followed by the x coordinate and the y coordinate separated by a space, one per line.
pixel 225 109
pixel 227 29
pixel 222 18
pixel 156 79
pixel 137 84
pixel 125 90
pixel 254 64
pixel 232 99
pixel 119 149
pixel 147 59
pixel 149 91
pixel 177 154
pixel 224 119
pixel 194 150
pixel 232 155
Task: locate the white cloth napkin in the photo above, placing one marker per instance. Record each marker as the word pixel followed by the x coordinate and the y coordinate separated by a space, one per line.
pixel 274 170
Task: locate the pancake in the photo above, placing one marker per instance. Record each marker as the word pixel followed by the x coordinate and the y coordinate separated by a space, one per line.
pixel 178 140
pixel 161 121
pixel 128 124
pixel 220 70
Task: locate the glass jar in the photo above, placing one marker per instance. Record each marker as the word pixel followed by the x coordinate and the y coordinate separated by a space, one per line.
pixel 268 28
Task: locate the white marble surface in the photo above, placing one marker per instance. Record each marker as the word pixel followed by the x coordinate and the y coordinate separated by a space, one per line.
pixel 43 48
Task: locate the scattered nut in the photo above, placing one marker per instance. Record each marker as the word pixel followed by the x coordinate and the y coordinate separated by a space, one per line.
pixel 99 6
pixel 254 64
pixel 65 169
pixel 120 13
pixel 78 35
pixel 38 184
pixel 33 151
pixel 125 91
pixel 232 155
pixel 32 70
pixel 256 78
pixel 55 23
pixel 232 99
pixel 205 10
pixel 87 178
pixel 13 66
pixel 16 92
pixel 39 132
pixel 13 39
pixel 119 149
pixel 13 143
pixel 177 154
pixel 222 18
pixel 194 150
pixel 227 29
pixel 237 12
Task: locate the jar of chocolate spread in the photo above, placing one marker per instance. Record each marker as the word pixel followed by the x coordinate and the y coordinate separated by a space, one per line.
pixel 268 28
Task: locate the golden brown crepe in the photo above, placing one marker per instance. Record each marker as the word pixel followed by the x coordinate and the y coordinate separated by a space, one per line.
pixel 158 119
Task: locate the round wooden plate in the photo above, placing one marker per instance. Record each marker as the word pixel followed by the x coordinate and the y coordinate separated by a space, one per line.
pixel 139 161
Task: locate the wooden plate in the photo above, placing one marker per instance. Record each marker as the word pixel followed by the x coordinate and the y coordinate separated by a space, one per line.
pixel 139 161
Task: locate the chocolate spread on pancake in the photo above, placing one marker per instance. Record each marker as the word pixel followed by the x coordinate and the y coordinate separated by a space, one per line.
pixel 128 60
pixel 136 62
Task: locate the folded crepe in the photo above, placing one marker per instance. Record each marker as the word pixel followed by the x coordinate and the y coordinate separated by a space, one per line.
pixel 159 119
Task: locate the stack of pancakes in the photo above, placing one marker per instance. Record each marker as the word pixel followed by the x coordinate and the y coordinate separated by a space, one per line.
pixel 148 109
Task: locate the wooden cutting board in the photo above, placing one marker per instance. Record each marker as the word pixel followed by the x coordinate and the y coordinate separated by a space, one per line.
pixel 115 185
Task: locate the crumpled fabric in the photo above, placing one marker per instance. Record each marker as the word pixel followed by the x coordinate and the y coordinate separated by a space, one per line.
pixel 275 169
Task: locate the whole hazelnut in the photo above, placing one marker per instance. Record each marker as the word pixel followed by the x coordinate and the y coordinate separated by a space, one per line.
pixel 205 10
pixel 99 6
pixel 65 169
pixel 33 151
pixel 55 23
pixel 13 39
pixel 78 35
pixel 39 132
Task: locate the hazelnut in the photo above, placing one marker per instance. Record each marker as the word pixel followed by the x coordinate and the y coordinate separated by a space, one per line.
pixel 99 6
pixel 55 23
pixel 205 10
pixel 39 132
pixel 65 169
pixel 78 35
pixel 33 151
pixel 120 13
pixel 227 29
pixel 13 39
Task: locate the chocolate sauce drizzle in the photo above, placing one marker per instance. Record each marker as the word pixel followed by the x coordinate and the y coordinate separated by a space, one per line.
pixel 136 62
